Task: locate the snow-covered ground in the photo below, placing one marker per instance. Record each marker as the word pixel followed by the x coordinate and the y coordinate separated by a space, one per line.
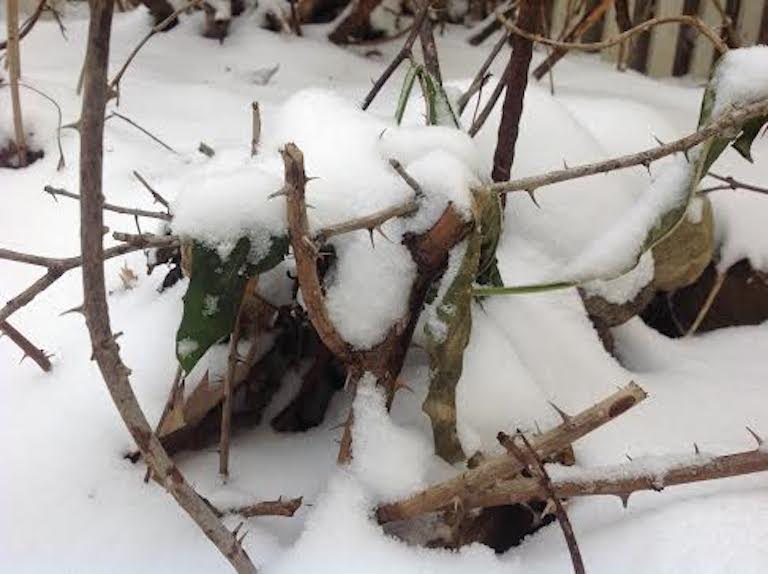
pixel 69 501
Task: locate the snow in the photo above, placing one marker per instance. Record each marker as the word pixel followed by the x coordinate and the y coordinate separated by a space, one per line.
pixel 741 77
pixel 71 502
pixel 740 218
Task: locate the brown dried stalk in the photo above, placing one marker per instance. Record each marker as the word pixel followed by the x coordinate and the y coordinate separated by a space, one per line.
pixel 105 349
pixel 495 469
pixel 702 314
pixel 30 350
pixel 516 81
pixel 229 383
pixel 57 191
pixel 14 72
pixel 30 22
pixel 402 55
pixel 732 119
pixel 692 21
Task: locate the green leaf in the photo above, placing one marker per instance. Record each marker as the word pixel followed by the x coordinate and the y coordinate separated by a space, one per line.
pixel 214 294
pixel 522 289
pixel 405 92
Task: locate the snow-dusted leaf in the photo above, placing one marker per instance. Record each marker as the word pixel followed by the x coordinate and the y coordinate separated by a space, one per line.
pixel 405 92
pixel 447 334
pixel 214 293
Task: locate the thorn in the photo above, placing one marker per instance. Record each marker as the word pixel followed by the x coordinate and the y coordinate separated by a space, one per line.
pixel 278 193
pixel 629 458
pixel 658 141
pixel 384 235
pixel 117 335
pixel 240 540
pixel 237 529
pixel 538 428
pixel 381 135
pixel 696 449
pixel 370 235
pixel 563 415
pixel 685 155
pixel 647 165
pixel 624 499
pixel 756 436
pixel 530 193
pixel 565 165
pixel 549 509
pixel 24 356
pixel 311 178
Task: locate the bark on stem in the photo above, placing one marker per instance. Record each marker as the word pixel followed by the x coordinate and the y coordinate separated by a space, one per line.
pixel 105 348
pixel 516 80
pixel 14 72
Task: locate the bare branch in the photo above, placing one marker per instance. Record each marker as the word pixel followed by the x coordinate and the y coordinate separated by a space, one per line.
pixel 14 72
pixel 141 129
pixel 114 84
pixel 56 191
pixel 30 350
pixel 732 183
pixel 482 74
pixel 403 54
pixel 155 195
pixel 494 469
pixel 412 183
pixel 733 118
pixel 368 222
pixel 105 348
pixel 62 164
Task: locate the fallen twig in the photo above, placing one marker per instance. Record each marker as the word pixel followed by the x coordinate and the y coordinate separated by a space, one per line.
pixel 57 191
pixel 495 469
pixel 279 507
pixel 733 118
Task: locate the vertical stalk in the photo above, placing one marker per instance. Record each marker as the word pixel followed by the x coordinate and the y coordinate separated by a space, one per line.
pixel 14 70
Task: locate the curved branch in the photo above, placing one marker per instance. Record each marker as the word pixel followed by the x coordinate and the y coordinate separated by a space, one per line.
pixel 105 348
pixel 691 21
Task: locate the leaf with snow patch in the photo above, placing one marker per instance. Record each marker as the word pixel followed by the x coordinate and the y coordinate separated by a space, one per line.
pixel 448 333
pixel 214 293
